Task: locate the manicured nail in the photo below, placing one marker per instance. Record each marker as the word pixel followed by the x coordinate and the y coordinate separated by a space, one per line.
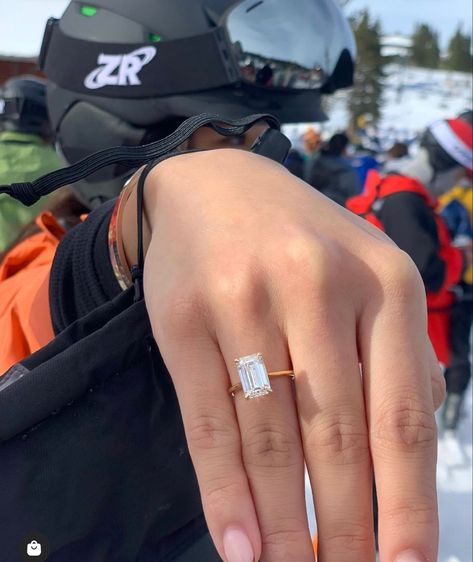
pixel 410 556
pixel 237 546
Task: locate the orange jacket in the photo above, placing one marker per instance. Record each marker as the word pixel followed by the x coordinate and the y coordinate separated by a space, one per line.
pixel 25 318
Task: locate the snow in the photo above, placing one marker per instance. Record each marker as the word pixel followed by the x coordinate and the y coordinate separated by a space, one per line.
pixel 454 485
pixel 454 482
pixel 396 41
pixel 413 98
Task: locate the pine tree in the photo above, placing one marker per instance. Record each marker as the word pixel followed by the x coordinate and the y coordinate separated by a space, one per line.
pixel 366 97
pixel 459 55
pixel 425 47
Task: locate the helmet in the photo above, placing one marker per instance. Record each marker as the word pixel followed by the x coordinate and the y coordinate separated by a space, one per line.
pixel 23 106
pixel 449 143
pixel 467 116
pixel 126 73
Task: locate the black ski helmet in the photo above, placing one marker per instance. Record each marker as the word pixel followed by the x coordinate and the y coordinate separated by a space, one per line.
pixel 23 106
pixel 123 73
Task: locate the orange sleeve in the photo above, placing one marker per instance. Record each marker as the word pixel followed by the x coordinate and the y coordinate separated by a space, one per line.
pixel 25 318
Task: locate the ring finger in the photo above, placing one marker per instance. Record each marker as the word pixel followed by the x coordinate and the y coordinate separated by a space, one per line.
pixel 271 444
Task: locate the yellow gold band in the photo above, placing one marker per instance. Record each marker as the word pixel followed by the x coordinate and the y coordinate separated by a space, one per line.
pixel 233 389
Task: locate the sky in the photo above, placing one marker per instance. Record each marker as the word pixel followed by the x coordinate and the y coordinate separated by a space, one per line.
pixel 401 15
pixel 22 21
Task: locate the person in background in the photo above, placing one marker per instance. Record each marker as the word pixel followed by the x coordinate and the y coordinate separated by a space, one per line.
pixel 299 162
pixel 396 158
pixel 25 149
pixel 405 209
pixel 331 172
pixel 457 210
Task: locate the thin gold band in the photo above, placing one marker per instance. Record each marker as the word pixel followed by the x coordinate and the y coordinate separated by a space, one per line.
pixel 233 389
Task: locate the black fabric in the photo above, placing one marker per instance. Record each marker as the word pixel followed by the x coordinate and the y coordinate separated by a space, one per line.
pixel 458 374
pixel 95 460
pixel 295 164
pixel 411 224
pixel 82 277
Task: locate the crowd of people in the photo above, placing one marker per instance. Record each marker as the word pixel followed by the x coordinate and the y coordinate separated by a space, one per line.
pixel 126 295
pixel 430 219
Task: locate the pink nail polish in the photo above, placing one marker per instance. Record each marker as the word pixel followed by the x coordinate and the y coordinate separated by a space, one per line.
pixel 237 546
pixel 410 556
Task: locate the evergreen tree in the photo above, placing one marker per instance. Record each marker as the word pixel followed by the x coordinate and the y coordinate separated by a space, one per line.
pixel 425 47
pixel 366 97
pixel 459 55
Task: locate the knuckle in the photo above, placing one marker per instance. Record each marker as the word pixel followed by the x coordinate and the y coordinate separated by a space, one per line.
pixel 400 276
pixel 238 289
pixel 406 425
pixel 313 262
pixel 420 511
pixel 219 494
pixel 348 536
pixel 206 432
pixel 267 446
pixel 287 540
pixel 339 440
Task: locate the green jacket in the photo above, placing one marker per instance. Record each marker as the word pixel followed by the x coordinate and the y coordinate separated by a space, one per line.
pixel 23 157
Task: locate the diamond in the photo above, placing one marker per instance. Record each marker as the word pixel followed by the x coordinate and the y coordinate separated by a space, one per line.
pixel 253 375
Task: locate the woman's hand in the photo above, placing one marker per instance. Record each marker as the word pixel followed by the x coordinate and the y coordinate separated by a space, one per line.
pixel 245 258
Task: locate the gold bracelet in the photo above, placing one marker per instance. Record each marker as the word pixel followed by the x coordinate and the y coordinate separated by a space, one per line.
pixel 116 250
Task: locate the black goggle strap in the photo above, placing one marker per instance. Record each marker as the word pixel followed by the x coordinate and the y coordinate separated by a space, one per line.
pixel 131 156
pixel 272 144
pixel 137 70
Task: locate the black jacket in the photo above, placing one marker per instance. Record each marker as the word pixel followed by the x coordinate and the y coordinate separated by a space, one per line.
pixel 334 177
pixel 411 224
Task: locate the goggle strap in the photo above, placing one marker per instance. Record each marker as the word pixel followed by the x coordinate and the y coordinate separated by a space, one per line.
pixel 131 156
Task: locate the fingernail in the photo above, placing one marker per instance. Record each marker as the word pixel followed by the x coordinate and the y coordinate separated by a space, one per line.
pixel 237 546
pixel 410 556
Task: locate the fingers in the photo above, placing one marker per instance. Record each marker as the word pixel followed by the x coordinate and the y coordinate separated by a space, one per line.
pixel 439 388
pixel 201 381
pixel 270 437
pixel 397 368
pixel 323 348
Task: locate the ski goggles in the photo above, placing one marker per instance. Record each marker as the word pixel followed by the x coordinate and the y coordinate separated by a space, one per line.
pixel 10 108
pixel 270 44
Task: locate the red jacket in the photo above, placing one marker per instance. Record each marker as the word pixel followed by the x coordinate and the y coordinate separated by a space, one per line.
pixel 439 302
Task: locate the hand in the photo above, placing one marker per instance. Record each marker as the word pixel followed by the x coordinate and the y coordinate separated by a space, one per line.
pixel 245 258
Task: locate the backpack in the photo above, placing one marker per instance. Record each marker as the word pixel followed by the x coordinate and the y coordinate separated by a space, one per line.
pixel 369 205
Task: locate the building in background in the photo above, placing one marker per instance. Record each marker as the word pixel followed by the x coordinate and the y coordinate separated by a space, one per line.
pixel 11 65
pixel 396 46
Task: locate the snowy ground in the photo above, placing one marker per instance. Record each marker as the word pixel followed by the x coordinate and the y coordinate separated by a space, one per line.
pixel 454 480
pixel 413 98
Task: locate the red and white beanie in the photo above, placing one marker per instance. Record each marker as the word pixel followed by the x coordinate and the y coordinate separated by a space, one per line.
pixel 455 136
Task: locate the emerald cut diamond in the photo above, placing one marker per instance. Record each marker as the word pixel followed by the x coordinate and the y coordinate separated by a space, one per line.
pixel 253 375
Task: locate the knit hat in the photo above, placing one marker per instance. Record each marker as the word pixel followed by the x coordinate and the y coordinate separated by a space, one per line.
pixel 455 136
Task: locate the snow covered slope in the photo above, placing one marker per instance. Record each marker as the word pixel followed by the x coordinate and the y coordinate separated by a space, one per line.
pixel 454 480
pixel 413 98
